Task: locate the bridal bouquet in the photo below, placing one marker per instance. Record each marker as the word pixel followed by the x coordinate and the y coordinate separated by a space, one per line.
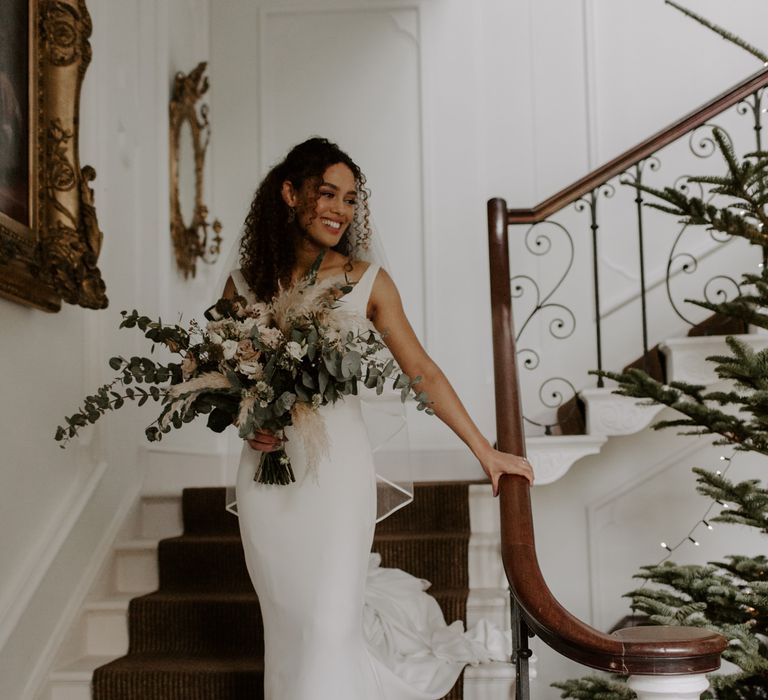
pixel 261 366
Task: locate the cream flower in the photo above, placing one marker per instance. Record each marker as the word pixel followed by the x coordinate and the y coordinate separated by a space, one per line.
pixel 252 370
pixel 229 348
pixel 295 350
pixel 271 337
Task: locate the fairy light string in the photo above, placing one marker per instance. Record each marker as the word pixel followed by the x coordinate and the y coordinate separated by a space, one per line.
pixel 704 520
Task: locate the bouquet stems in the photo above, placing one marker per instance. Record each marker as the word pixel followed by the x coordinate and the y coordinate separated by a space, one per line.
pixel 274 468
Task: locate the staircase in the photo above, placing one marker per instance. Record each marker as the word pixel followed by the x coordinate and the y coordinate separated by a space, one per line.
pixel 198 636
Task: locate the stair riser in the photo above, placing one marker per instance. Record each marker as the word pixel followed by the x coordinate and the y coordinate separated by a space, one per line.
pixel 77 690
pixel 195 627
pixel 160 518
pixel 484 562
pixel 179 687
pixel 442 507
pixel 106 632
pixel 135 570
pixel 496 610
pixel 427 559
pixel 192 565
pixel 435 507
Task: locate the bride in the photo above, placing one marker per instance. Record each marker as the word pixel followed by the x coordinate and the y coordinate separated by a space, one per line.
pixel 328 635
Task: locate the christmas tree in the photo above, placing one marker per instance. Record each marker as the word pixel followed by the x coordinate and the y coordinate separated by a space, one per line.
pixel 730 596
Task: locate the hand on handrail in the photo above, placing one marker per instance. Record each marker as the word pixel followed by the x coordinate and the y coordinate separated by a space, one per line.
pixel 496 463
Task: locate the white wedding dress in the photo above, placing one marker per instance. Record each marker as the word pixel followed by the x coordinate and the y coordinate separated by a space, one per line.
pixel 336 625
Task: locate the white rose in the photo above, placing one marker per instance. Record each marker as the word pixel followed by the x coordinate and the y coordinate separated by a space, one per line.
pixel 250 369
pixel 295 350
pixel 246 326
pixel 230 349
pixel 215 338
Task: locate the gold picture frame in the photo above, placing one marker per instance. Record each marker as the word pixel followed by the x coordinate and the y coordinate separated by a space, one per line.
pixel 189 215
pixel 48 248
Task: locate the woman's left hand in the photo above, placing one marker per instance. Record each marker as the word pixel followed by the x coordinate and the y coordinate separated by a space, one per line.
pixel 496 463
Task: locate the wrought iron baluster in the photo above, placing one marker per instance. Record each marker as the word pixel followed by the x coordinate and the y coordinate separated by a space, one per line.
pixel 521 653
pixel 636 181
pixel 591 202
pixel 596 274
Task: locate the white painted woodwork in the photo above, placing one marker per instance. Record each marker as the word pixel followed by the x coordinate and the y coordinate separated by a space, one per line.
pixel 611 414
pixel 669 687
pixel 686 357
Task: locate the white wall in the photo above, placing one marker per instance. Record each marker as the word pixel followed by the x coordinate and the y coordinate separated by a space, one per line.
pixel 446 104
pixel 58 508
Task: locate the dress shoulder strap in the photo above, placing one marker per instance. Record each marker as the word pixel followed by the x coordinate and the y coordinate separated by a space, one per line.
pixel 358 297
pixel 366 281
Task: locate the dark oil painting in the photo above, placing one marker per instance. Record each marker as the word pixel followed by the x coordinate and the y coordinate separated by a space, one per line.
pixel 14 110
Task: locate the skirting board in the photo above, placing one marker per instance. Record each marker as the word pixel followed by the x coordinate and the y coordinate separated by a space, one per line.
pixel 40 559
pixel 45 660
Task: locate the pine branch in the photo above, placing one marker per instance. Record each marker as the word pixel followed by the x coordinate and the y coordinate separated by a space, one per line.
pixel 700 409
pixel 745 182
pixel 749 305
pixel 750 500
pixel 725 34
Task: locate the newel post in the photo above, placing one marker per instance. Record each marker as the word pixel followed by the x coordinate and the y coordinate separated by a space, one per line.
pixel 669 687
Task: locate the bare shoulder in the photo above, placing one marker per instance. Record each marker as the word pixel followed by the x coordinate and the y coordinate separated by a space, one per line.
pixel 384 283
pixel 384 293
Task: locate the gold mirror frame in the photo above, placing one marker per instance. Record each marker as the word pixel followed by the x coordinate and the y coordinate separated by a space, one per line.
pixel 191 242
pixel 53 259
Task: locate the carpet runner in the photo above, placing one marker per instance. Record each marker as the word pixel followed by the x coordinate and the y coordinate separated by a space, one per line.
pixel 199 636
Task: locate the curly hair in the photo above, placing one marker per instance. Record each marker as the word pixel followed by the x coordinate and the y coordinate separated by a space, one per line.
pixel 267 252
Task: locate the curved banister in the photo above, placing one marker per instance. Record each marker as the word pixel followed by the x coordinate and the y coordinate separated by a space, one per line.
pixel 643 150
pixel 636 651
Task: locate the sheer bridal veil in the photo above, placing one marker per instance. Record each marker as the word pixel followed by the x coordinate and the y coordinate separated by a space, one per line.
pixel 384 415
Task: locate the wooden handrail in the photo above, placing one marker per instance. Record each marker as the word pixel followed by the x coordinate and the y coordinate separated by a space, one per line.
pixel 643 150
pixel 635 651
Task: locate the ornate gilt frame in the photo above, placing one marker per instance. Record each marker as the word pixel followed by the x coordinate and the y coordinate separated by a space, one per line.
pixel 54 259
pixel 191 241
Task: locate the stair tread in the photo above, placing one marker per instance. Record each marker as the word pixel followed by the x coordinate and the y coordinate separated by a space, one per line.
pixel 150 662
pixel 423 535
pixel 137 543
pixel 225 538
pixel 214 596
pixel 115 601
pixel 80 669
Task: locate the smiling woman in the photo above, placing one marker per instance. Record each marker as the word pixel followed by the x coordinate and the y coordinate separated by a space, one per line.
pixel 336 625
pixel 334 204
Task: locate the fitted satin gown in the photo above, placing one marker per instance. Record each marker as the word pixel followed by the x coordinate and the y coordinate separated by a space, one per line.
pixel 336 626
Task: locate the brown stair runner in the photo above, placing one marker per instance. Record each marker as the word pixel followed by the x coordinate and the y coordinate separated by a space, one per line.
pixel 199 636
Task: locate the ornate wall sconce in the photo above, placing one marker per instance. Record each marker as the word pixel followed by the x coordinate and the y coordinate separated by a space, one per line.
pixel 189 136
